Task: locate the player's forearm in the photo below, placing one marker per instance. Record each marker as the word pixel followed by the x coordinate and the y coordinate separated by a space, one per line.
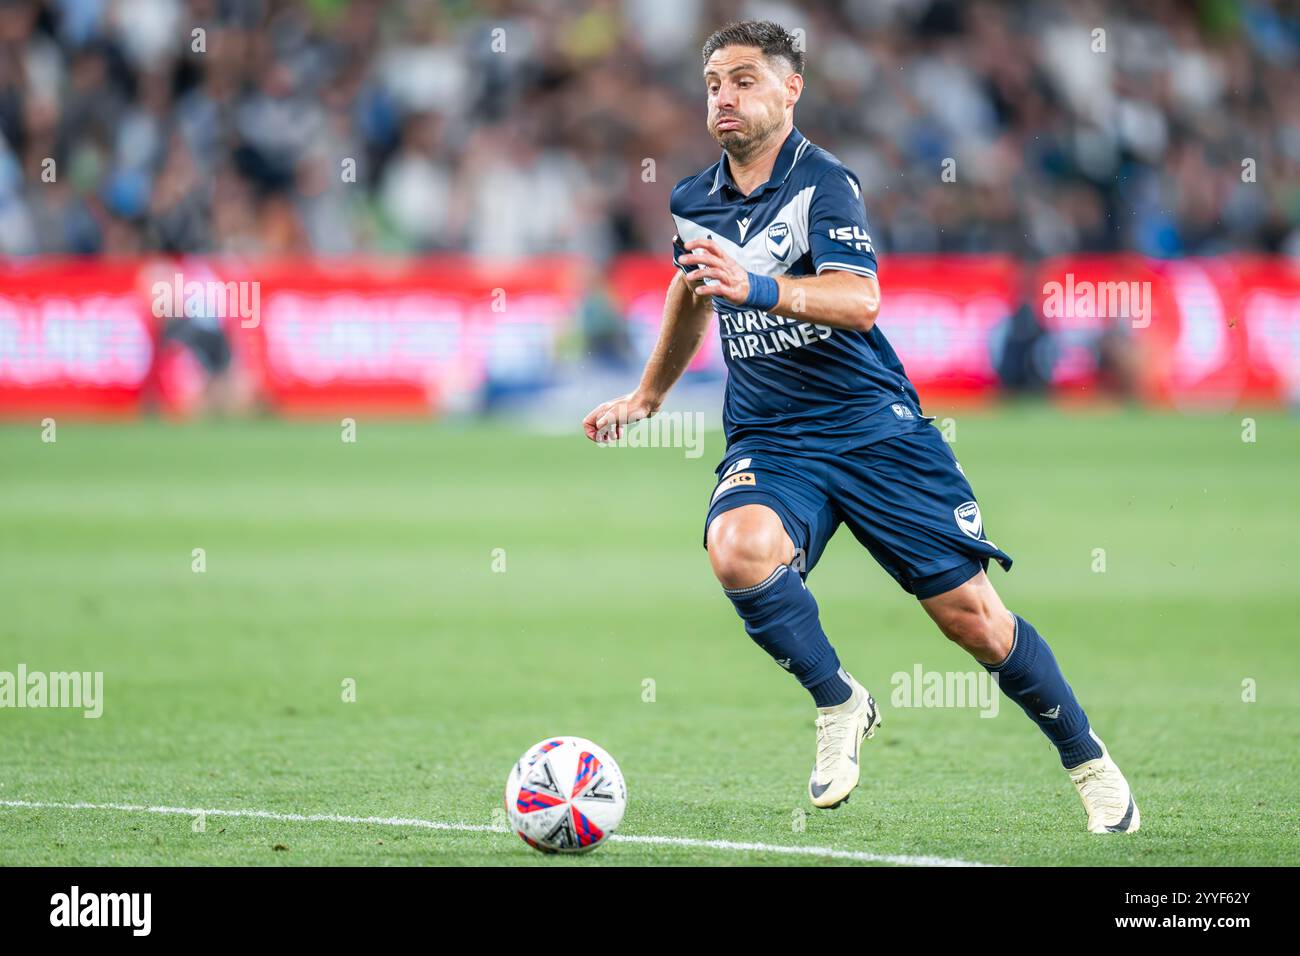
pixel 686 321
pixel 841 300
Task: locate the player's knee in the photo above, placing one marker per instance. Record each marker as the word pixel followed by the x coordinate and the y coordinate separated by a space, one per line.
pixel 746 544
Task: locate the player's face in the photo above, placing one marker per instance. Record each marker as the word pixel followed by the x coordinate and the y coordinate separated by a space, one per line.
pixel 747 98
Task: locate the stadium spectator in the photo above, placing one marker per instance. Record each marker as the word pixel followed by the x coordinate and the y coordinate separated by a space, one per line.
pixel 517 128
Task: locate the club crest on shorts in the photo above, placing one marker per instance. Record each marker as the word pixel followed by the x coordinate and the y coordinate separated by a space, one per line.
pixel 968 519
pixel 779 240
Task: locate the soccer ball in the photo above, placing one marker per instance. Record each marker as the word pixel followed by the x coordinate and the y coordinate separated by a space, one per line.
pixel 565 795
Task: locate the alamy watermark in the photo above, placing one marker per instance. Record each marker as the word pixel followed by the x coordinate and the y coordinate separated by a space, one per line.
pixel 1092 300
pixel 661 430
pixel 77 690
pixel 129 910
pixel 181 299
pixel 922 688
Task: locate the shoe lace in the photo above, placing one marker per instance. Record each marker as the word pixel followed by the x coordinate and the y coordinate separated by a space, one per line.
pixel 831 730
pixel 1097 784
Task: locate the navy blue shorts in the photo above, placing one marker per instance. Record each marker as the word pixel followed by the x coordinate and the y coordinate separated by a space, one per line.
pixel 905 499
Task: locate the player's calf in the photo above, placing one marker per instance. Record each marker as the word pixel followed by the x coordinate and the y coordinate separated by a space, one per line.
pixel 1031 677
pixel 1009 648
pixel 750 550
pixel 972 616
pixel 982 633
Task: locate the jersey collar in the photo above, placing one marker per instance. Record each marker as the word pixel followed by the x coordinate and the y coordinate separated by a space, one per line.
pixel 791 150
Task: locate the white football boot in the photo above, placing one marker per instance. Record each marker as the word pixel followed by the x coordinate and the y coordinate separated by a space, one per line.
pixel 840 732
pixel 1105 794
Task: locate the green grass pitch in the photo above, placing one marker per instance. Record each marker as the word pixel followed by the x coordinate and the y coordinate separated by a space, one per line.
pixel 377 562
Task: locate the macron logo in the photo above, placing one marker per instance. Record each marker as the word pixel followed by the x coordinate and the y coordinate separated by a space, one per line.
pixel 103 909
pixel 744 227
pixel 854 186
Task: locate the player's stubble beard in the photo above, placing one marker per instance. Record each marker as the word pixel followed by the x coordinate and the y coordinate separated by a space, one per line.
pixel 744 144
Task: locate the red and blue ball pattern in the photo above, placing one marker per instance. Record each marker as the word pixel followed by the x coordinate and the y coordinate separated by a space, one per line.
pixel 570 828
pixel 588 833
pixel 588 766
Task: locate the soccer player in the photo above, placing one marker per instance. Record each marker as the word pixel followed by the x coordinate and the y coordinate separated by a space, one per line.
pixel 823 426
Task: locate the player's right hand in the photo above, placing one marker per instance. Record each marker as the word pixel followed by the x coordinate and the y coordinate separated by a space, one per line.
pixel 606 421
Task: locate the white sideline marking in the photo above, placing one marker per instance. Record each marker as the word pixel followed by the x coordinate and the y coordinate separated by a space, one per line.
pixel 815 851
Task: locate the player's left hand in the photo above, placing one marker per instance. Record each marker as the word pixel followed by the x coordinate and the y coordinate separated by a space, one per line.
pixel 732 278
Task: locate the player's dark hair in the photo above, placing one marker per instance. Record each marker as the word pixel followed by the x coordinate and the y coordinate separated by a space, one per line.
pixel 772 38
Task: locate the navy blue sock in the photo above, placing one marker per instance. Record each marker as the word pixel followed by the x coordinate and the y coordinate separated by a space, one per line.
pixel 1031 677
pixel 781 617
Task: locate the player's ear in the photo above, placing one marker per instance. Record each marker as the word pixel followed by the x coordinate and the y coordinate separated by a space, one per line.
pixel 793 88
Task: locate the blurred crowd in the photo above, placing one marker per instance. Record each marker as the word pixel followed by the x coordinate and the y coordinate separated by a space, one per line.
pixel 514 128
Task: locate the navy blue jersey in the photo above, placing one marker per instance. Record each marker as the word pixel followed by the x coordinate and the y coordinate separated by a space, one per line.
pixel 794 384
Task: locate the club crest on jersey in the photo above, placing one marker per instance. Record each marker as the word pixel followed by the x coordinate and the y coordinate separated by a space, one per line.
pixel 968 519
pixel 779 240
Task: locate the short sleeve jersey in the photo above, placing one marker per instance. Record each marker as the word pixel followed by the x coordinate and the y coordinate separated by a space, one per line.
pixel 793 384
